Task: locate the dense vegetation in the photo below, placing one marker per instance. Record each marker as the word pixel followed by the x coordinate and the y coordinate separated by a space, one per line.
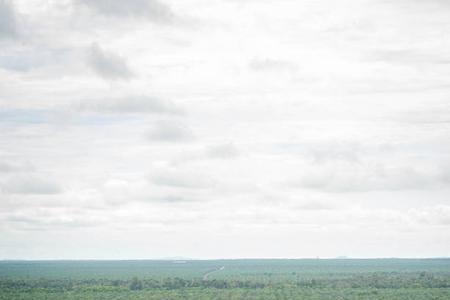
pixel 227 279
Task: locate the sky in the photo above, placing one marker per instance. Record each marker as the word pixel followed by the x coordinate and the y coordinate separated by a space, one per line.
pixel 146 129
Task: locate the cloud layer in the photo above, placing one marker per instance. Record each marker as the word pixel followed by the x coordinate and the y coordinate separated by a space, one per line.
pixel 253 128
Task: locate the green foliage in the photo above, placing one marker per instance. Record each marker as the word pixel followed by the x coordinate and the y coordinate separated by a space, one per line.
pixel 232 279
pixel 136 284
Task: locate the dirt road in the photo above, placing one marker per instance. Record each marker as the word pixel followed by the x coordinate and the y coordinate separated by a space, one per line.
pixel 205 276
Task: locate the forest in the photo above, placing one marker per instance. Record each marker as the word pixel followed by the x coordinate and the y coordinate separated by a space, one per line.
pixel 227 279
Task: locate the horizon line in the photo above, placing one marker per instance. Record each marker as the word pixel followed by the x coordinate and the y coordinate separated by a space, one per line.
pixel 215 259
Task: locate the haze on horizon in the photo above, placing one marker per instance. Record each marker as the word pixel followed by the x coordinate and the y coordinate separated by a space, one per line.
pixel 224 129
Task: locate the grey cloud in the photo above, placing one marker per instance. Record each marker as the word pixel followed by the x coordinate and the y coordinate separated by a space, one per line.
pixel 131 104
pixel 323 152
pixel 175 199
pixel 436 215
pixel 314 205
pixel 21 62
pixel 181 179
pixel 442 215
pixel 8 167
pixel 272 65
pixel 222 151
pixel 108 65
pixel 153 10
pixel 357 167
pixel 418 5
pixel 335 151
pixel 363 178
pixel 218 151
pixel 409 56
pixel 8 27
pixel 444 173
pixel 166 131
pixel 31 185
pixel 46 221
pixel 33 58
pixel 424 115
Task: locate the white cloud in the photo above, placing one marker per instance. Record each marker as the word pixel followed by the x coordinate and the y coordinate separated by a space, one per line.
pixel 170 131
pixel 182 179
pixel 222 151
pixel 344 177
pixel 272 65
pixel 436 215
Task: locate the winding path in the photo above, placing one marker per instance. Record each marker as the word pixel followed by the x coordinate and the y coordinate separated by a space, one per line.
pixel 205 276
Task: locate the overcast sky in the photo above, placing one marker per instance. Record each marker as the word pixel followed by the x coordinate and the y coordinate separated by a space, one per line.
pixel 224 128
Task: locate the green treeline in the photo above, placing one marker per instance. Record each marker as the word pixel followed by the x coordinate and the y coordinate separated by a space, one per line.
pixel 371 280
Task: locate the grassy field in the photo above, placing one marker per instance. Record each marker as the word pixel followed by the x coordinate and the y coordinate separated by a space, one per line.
pixel 227 279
